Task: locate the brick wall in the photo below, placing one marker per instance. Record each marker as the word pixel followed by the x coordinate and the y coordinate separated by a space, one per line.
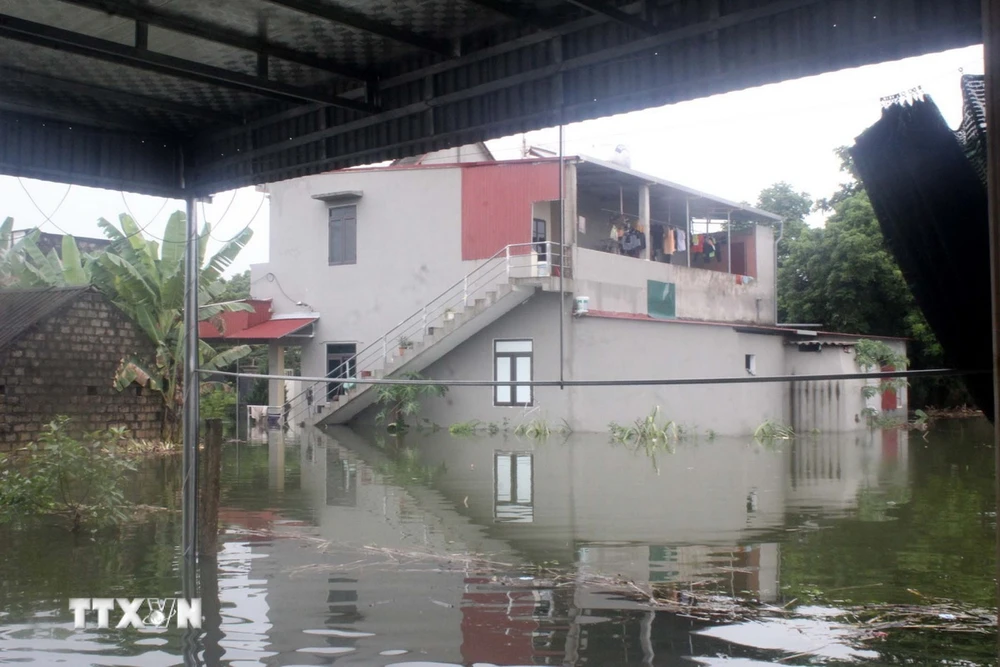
pixel 65 365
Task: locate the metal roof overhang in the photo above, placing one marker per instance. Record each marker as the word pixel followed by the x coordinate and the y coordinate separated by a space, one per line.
pixel 186 98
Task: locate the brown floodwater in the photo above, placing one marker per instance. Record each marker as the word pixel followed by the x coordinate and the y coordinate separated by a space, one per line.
pixel 350 549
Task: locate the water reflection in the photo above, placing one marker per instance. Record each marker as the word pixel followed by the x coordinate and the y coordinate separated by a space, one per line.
pixel 343 549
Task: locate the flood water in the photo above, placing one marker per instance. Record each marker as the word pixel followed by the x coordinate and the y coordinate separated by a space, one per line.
pixel 344 549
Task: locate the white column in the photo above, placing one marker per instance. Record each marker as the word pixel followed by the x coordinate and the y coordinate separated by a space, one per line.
pixel 644 220
pixel 276 366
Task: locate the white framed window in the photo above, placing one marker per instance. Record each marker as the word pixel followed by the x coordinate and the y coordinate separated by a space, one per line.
pixel 750 361
pixel 512 364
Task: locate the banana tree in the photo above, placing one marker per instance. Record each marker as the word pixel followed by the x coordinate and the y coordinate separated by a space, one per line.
pixel 146 281
pixel 23 264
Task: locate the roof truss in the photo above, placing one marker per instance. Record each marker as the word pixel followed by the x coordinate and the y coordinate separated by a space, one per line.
pixel 48 36
pixel 144 14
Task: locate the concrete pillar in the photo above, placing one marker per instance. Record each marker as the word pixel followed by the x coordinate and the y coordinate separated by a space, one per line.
pixel 570 205
pixel 276 460
pixel 276 366
pixel 647 254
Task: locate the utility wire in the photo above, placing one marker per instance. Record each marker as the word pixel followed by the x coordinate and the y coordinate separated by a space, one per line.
pixel 48 218
pixel 750 379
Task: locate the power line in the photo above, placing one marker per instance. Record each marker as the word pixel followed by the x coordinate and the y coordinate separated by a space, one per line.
pixel 48 218
pixel 142 229
pixel 204 214
pixel 750 379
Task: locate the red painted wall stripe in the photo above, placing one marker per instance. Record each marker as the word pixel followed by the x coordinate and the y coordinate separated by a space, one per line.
pixel 496 204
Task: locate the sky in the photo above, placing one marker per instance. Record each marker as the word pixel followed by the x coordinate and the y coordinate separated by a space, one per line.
pixel 732 145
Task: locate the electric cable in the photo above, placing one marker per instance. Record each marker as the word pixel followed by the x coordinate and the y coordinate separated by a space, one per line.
pixel 48 218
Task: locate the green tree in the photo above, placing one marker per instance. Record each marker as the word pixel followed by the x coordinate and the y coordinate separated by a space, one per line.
pixel 79 480
pixel 146 281
pixel 236 288
pixel 793 207
pixel 844 277
pixel 23 264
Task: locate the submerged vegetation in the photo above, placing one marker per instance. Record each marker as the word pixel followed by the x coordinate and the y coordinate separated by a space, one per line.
pixel 397 402
pixel 80 481
pixel 646 431
pixel 540 429
pixel 537 429
pixel 770 431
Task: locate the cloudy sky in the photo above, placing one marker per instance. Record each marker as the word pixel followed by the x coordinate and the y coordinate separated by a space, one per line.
pixel 731 145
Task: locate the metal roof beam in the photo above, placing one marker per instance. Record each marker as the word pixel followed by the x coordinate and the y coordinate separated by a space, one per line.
pixel 65 40
pixel 604 9
pixel 175 22
pixel 526 16
pixel 9 74
pixel 56 112
pixel 359 21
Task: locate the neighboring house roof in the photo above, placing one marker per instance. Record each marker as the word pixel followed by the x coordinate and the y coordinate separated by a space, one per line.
pixel 810 335
pixel 419 159
pixel 20 309
pixel 260 325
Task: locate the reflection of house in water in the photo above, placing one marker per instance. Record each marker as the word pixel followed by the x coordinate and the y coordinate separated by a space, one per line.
pixel 513 487
pixel 703 514
pixel 828 472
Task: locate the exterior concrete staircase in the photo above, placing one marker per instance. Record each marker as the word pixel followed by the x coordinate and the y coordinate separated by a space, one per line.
pixel 438 340
pixel 482 297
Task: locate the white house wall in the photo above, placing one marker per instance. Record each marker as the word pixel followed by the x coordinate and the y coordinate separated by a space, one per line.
pixel 409 239
pixel 617 283
pixel 604 349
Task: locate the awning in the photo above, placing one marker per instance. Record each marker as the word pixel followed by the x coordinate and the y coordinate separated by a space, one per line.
pixel 267 331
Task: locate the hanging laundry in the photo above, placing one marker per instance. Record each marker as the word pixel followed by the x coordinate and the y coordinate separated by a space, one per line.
pixel 681 241
pixel 709 246
pixel 614 232
pixel 668 241
pixel 698 244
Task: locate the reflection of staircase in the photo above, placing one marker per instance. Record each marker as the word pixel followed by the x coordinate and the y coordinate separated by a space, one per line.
pixel 482 297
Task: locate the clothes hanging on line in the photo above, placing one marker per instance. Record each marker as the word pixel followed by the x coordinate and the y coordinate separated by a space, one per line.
pixel 681 240
pixel 698 243
pixel 633 241
pixel 669 242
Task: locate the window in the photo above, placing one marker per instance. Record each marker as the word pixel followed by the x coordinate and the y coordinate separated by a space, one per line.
pixel 513 487
pixel 512 363
pixel 751 364
pixel 538 237
pixel 344 235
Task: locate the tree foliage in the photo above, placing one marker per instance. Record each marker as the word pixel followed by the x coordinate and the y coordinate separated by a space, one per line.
pixel 793 207
pixel 23 264
pixel 844 277
pixel 145 279
pixel 399 401
pixel 147 282
pixel 78 480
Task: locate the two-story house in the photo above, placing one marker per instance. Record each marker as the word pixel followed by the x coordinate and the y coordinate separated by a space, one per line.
pixel 461 267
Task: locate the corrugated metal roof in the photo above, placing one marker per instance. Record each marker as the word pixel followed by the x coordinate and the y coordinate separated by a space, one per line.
pixel 184 97
pixel 21 309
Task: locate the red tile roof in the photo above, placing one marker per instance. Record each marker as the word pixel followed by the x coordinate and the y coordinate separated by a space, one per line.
pixel 256 325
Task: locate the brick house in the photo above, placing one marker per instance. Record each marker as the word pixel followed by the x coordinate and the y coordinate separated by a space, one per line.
pixel 59 351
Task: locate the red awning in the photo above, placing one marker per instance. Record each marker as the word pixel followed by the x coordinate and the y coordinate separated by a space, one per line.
pixel 268 331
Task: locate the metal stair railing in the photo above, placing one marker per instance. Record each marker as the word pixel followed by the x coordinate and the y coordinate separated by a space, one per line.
pixel 517 260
